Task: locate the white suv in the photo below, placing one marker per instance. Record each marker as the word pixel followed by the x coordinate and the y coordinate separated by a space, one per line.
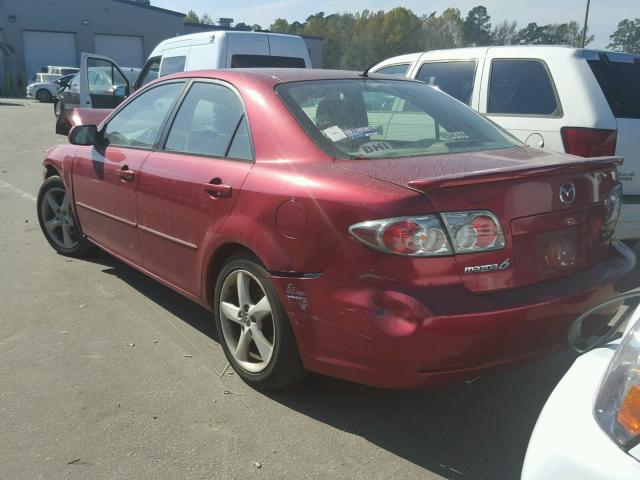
pixel 578 101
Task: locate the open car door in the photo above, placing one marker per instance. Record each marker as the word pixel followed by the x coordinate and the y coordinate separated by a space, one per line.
pixel 102 83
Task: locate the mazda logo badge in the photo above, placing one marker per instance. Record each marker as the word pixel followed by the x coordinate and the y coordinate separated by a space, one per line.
pixel 567 192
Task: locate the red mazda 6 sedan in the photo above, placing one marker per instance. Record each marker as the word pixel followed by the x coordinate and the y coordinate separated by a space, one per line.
pixel 367 228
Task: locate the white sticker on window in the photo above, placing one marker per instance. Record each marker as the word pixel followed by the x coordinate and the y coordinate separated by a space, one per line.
pixel 360 132
pixel 334 133
pixel 460 135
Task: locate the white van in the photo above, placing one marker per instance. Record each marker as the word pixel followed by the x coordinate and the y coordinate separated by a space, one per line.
pixel 578 101
pixel 203 51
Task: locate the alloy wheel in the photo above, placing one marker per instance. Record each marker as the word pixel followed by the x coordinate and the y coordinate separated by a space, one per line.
pixel 247 321
pixel 58 219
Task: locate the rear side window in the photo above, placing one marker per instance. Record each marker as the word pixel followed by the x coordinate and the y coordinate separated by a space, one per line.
pixel 172 65
pixel 620 83
pixel 266 61
pixel 522 87
pixel 211 122
pixel 400 70
pixel 453 78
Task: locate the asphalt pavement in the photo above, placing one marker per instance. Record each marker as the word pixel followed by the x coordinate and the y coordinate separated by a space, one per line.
pixel 106 374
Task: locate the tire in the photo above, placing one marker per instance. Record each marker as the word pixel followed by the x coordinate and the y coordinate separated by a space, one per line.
pixel 43 96
pixel 58 221
pixel 283 364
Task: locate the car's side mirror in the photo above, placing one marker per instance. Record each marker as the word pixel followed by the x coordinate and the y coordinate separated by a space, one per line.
pixel 84 135
pixel 121 91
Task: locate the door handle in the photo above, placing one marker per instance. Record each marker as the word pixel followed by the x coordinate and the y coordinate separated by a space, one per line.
pixel 125 174
pixel 217 189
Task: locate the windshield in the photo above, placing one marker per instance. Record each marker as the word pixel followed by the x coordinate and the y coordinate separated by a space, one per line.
pixel 365 118
pixel 46 78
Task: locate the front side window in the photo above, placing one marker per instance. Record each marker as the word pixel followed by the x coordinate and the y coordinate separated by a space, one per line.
pixel 137 124
pixel 454 78
pixel 367 118
pixel 521 87
pixel 172 65
pixel 103 77
pixel 210 121
pixel 400 70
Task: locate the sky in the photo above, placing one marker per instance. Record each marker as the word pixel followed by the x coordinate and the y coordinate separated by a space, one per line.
pixel 603 17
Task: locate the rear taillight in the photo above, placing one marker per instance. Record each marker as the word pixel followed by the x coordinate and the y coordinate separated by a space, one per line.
pixel 412 236
pixel 589 142
pixel 425 236
pixel 475 231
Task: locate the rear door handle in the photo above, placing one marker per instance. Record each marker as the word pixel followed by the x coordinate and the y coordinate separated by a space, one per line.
pixel 125 174
pixel 218 190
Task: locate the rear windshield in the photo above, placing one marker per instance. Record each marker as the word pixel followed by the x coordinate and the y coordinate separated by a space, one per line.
pixel 266 61
pixel 620 83
pixel 388 118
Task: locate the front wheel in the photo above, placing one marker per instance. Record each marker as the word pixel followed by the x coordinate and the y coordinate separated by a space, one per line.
pixel 43 96
pixel 57 220
pixel 253 327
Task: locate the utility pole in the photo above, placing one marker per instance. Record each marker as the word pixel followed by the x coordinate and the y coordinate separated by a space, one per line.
pixel 584 27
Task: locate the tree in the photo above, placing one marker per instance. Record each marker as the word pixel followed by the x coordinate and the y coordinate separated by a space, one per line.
pixel 626 38
pixel 279 25
pixel 504 33
pixel 206 19
pixel 552 34
pixel 477 27
pixel 444 31
pixel 242 26
pixel 191 17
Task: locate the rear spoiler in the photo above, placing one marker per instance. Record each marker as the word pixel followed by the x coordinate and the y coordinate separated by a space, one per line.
pixel 80 116
pixel 514 173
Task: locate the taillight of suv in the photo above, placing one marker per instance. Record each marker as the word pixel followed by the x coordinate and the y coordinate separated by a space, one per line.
pixel 466 232
pixel 589 142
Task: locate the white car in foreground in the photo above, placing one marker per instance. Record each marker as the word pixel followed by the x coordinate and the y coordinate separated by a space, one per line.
pixel 589 429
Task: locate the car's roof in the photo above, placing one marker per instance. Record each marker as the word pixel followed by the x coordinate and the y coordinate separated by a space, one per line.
pixel 278 75
pixel 515 51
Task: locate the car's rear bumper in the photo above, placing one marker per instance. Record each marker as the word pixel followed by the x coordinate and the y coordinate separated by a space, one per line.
pixel 567 443
pixel 628 227
pixel 391 335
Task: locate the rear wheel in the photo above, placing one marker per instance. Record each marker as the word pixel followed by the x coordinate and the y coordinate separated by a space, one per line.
pixel 57 220
pixel 253 327
pixel 43 96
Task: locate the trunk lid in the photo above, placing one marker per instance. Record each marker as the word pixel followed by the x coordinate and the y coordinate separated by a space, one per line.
pixel 545 238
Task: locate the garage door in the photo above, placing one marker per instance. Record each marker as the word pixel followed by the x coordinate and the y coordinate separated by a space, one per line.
pixel 48 48
pixel 125 50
